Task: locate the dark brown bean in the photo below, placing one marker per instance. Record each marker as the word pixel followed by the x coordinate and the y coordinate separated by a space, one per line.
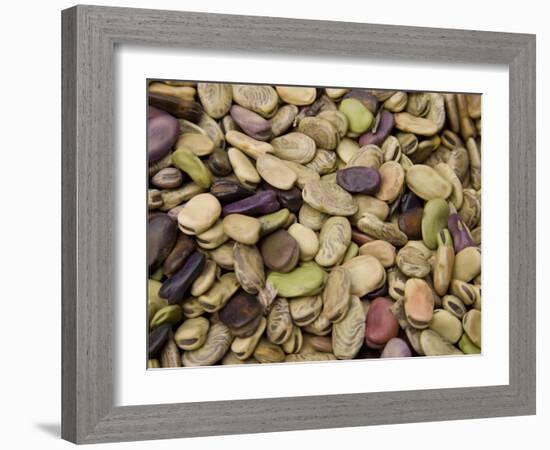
pixel 227 191
pixel 177 257
pixel 241 312
pixel 280 251
pixel 179 107
pixel 161 238
pixel 410 223
pixel 218 163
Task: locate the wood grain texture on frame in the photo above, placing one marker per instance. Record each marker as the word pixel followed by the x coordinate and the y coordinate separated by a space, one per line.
pixel 90 34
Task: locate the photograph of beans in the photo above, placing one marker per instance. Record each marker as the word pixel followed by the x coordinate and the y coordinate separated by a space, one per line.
pixel 292 224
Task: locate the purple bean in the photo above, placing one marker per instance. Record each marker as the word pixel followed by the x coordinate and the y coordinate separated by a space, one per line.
pixel 462 237
pixel 175 288
pixel 162 132
pixel 156 339
pixel 396 348
pixel 251 123
pixel 385 125
pixel 263 202
pixel 359 180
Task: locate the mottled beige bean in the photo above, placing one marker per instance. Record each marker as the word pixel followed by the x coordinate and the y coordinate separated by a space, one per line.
pixel 305 310
pixel 324 162
pixel 170 355
pixel 396 102
pixel 249 267
pixel 283 119
pixel 417 125
pixel 217 343
pixel 260 99
pixel 294 146
pixel 337 294
pixel 334 240
pixel 337 119
pixel 413 261
pixel 309 357
pixel 216 98
pixel 348 334
pixel 329 198
pixel 279 321
pixel 386 231
pixel 321 131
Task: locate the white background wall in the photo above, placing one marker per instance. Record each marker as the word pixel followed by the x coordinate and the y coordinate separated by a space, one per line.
pixel 31 239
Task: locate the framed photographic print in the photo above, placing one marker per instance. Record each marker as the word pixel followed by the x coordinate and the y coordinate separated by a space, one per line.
pixel 266 230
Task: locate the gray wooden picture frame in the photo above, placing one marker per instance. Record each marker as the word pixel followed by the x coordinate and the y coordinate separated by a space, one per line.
pixel 90 34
